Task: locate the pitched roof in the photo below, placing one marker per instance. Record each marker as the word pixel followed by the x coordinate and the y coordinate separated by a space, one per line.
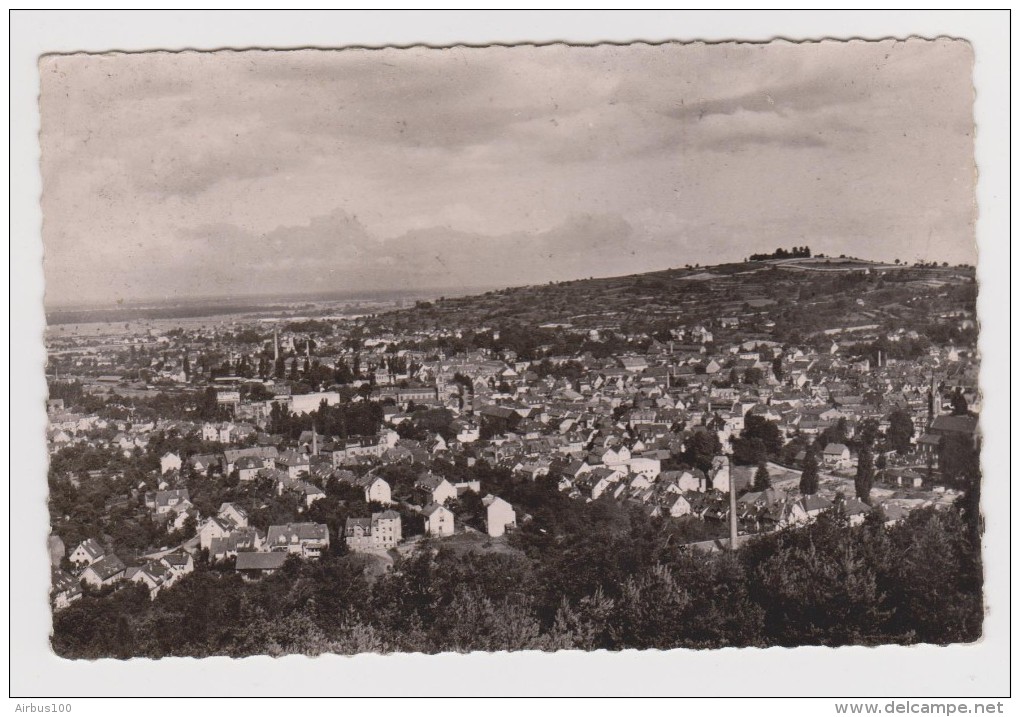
pixel 352 523
pixel 431 508
pixel 233 506
pixel 262 452
pixel 430 482
pixel 955 424
pixel 247 462
pixel 815 502
pixel 260 561
pixel 64 582
pixel 92 547
pixel 855 506
pixel 107 566
pixel 296 532
pixel 176 559
pixel 497 411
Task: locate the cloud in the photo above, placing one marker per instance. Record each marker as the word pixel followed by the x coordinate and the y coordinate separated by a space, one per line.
pixel 370 168
pixel 336 251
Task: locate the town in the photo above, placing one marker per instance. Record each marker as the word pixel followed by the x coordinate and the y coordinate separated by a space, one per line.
pixel 756 396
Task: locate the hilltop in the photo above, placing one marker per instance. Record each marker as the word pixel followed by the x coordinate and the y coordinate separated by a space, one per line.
pixel 787 300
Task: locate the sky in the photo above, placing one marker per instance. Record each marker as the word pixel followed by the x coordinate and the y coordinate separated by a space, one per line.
pixel 175 175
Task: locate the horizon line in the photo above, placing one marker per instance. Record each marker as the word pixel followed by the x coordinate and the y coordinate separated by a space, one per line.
pixel 462 290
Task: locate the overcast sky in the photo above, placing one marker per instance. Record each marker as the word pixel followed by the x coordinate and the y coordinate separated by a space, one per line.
pixel 182 174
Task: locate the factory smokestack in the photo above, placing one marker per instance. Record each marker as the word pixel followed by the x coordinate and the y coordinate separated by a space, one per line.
pixel 733 510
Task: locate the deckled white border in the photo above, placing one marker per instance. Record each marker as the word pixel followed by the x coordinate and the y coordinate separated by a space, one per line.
pixel 980 669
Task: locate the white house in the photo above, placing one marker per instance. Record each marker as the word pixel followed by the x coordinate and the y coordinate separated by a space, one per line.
pixel 650 467
pixel 677 505
pixel 836 455
pixel 293 463
pixel 164 502
pixel 234 543
pixel 380 532
pixel 210 432
pixel 309 402
pixel 155 576
pixel 65 589
pixel 234 513
pixel 308 540
pixel 169 462
pixel 499 515
pixel 248 467
pixel 813 506
pixel 616 456
pixel 436 488
pixel 720 474
pixel 600 479
pixel 856 510
pixel 468 434
pixel 87 552
pixel 376 489
pixel 438 520
pixel 105 571
pixel 213 528
pixel 691 481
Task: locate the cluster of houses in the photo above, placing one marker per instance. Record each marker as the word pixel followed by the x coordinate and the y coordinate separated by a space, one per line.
pixel 95 567
pixel 609 426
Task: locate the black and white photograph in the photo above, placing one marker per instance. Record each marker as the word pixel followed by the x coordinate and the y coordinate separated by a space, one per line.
pixel 524 347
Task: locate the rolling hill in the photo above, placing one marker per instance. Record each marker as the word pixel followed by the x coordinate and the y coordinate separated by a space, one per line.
pixel 785 300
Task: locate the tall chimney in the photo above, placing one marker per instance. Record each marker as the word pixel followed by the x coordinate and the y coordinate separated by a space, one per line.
pixel 276 344
pixel 315 441
pixel 733 510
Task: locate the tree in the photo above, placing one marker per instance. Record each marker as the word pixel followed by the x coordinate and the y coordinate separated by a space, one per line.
pixel 865 475
pixel 868 432
pixel 959 459
pixel 753 375
pixel 834 434
pixel 900 431
pixel 760 440
pixel 809 473
pixel 959 402
pixel 762 481
pixel 257 392
pixel 777 368
pixel 124 638
pixel 342 373
pixel 700 448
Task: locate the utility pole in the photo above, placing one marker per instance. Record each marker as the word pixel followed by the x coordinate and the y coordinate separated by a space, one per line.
pixel 733 509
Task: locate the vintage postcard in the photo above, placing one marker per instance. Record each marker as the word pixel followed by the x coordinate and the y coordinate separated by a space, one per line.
pixel 538 347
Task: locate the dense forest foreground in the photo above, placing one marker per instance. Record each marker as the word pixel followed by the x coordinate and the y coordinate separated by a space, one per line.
pixel 596 576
